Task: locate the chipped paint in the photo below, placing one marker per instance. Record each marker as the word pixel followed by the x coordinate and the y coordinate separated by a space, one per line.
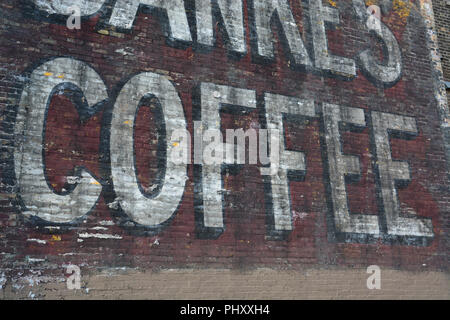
pixel 35 260
pixel 99 236
pixel 426 9
pixel 99 228
pixel 257 76
pixel 37 240
pixel 56 238
pixel 106 223
pixel 2 280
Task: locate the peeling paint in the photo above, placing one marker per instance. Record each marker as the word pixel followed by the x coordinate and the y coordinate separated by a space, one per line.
pixel 99 236
pixel 37 240
pixel 2 280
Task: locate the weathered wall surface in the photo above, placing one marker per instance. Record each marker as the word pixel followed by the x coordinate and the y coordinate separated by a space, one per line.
pixel 261 284
pixel 442 26
pixel 88 120
pixel 441 10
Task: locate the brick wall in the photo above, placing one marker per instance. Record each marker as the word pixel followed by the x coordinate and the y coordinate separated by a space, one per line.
pixel 88 117
pixel 441 10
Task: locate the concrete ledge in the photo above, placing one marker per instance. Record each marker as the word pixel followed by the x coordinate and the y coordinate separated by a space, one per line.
pixel 257 284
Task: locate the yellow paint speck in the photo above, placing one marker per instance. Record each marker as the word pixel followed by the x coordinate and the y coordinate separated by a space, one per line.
pixel 371 2
pixel 61 76
pixel 332 3
pixel 402 9
pixel 56 238
pixel 175 144
pixel 48 74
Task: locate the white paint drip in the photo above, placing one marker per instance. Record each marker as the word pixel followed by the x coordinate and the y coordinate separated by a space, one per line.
pixel 35 260
pixel 99 236
pixel 51 228
pixel 37 240
pixel 299 215
pixel 106 223
pixel 99 228
pixel 2 280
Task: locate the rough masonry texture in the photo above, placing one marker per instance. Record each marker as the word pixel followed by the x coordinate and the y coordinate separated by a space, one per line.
pixel 90 120
pixel 441 10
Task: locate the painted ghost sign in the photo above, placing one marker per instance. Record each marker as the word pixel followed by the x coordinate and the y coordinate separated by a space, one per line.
pixel 326 134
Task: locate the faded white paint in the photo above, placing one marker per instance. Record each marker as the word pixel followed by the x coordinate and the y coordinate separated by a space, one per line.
pixel 86 235
pixel 140 207
pixel 212 99
pixel 276 107
pixel 386 72
pixel 263 11
pixel 40 200
pixel 125 11
pixel 38 197
pixel 340 165
pixel 231 12
pixel 323 59
pixel 391 171
pixel 37 241
pixel 87 7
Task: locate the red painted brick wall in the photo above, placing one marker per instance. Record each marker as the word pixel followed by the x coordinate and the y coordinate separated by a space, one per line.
pixel 28 39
